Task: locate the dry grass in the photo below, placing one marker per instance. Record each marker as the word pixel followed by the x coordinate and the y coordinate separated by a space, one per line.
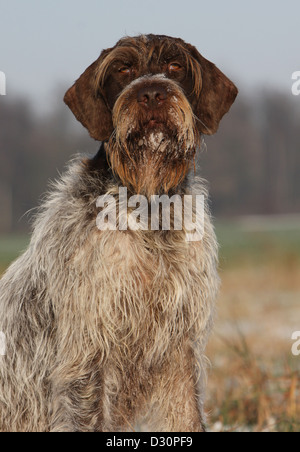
pixel 254 384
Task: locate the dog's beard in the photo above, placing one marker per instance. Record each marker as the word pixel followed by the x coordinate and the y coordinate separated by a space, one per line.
pixel 153 156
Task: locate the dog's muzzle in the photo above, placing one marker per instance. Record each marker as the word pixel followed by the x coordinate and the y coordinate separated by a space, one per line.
pixel 154 138
pixel 152 105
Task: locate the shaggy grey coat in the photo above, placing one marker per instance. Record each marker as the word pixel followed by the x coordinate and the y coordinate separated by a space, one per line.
pixel 105 329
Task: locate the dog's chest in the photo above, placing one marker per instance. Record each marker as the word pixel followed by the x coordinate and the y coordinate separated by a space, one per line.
pixel 134 274
pixel 147 262
pixel 142 291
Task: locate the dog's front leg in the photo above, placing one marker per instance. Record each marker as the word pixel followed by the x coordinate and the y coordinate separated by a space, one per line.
pixel 77 399
pixel 178 397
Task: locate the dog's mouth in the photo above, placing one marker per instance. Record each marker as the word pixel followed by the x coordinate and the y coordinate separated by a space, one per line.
pixel 150 131
pixel 155 127
pixel 154 136
pixel 162 123
pixel 153 123
pixel 153 120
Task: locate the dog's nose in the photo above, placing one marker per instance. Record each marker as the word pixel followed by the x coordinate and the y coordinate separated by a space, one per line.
pixel 152 96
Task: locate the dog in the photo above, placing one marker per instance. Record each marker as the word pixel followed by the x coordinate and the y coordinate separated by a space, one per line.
pixel 106 329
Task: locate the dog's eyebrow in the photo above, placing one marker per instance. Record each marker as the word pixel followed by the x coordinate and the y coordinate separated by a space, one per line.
pixel 123 54
pixel 175 56
pixel 167 52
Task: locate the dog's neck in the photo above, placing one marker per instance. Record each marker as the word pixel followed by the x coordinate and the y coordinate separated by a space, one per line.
pixel 100 165
pixel 99 161
pixel 148 171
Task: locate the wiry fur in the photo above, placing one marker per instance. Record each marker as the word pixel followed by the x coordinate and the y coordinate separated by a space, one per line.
pixel 107 329
pixel 103 328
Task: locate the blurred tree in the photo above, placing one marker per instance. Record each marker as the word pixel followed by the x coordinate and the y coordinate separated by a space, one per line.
pixel 33 150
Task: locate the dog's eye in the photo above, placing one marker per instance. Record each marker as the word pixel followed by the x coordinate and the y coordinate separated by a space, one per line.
pixel 173 67
pixel 125 70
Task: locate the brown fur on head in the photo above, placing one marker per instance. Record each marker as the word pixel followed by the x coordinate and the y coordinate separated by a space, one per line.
pixel 150 146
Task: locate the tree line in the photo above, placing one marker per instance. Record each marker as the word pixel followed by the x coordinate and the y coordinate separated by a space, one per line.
pixel 252 164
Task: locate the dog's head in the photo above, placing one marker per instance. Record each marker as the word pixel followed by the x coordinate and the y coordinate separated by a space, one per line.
pixel 151 97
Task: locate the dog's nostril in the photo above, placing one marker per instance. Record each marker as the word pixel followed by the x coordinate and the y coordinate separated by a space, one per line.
pixel 152 96
pixel 143 98
pixel 160 96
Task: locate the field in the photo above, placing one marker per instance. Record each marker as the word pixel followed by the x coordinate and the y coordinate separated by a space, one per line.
pixel 254 379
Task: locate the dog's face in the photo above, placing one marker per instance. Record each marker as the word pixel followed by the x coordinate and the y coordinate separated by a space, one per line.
pixel 151 97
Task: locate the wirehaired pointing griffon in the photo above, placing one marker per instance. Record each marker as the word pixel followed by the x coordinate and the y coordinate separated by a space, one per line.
pixel 106 329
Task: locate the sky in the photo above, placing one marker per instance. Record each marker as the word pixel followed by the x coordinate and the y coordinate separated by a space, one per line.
pixel 45 46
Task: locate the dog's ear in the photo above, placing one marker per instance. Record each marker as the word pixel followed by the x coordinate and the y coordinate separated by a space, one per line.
pixel 89 105
pixel 216 96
